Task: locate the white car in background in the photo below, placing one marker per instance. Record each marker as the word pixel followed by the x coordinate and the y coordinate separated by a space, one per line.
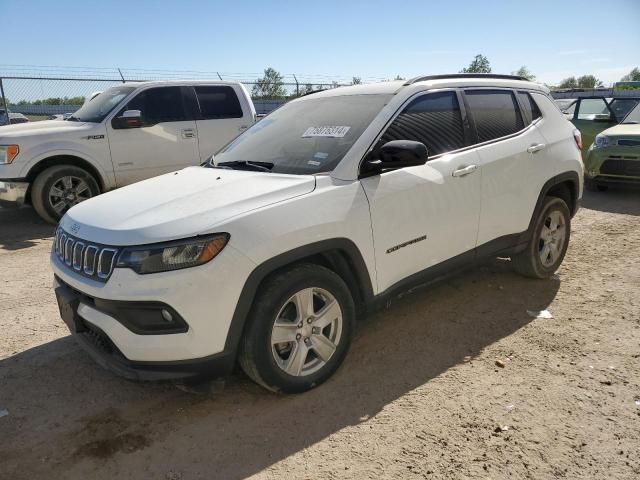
pixel 125 134
pixel 330 206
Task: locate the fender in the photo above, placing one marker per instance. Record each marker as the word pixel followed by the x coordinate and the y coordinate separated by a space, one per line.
pixel 257 276
pixel 106 177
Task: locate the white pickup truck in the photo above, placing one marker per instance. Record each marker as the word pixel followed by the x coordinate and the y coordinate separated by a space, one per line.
pixel 127 133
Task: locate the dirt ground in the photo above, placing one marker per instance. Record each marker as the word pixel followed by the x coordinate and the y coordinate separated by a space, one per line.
pixel 419 396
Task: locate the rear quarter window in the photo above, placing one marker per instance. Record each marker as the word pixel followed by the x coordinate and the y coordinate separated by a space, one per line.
pixel 531 110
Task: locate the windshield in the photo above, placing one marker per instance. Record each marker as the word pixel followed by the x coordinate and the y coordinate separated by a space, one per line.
pixel 622 106
pixel 97 109
pixel 634 115
pixel 303 137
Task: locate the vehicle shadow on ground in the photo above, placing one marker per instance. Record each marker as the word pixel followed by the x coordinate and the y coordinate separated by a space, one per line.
pixel 31 227
pixel 68 416
pixel 617 199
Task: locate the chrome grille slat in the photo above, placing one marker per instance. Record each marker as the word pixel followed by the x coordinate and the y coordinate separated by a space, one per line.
pixel 89 260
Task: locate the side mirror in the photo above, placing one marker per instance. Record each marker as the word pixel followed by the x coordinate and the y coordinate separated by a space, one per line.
pixel 396 154
pixel 129 119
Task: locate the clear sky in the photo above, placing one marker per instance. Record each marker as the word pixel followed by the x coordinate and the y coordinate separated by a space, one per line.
pixel 374 39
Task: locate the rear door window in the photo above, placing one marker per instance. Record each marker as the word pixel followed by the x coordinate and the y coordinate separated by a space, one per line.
pixel 433 119
pixel 531 110
pixel 218 102
pixel 495 113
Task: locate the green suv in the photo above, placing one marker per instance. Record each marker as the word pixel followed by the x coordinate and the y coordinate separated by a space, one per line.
pixel 614 155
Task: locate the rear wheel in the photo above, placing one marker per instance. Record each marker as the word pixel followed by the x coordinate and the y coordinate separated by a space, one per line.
pixel 299 330
pixel 549 241
pixel 59 188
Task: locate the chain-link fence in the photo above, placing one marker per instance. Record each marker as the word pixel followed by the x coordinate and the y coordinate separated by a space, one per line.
pixel 37 93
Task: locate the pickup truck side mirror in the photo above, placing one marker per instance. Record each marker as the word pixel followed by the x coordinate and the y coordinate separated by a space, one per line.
pixel 396 154
pixel 128 119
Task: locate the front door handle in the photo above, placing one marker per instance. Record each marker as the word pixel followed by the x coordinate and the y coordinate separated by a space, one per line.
pixel 461 172
pixel 188 133
pixel 536 147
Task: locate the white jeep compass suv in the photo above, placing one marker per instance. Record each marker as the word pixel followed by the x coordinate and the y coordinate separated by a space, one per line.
pixel 326 208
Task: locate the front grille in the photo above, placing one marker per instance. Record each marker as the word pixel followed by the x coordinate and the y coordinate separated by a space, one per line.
pixel 629 143
pixel 629 168
pixel 87 259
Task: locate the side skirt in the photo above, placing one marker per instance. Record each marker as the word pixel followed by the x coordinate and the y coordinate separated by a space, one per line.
pixel 506 245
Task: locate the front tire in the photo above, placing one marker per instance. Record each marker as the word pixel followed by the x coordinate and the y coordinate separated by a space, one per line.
pixel 549 241
pixel 59 188
pixel 299 329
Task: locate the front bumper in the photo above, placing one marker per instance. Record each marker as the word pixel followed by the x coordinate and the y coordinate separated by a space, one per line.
pixel 612 165
pixel 13 192
pixel 105 353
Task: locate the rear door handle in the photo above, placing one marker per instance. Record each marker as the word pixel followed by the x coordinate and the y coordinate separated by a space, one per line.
pixel 461 172
pixel 536 147
pixel 188 133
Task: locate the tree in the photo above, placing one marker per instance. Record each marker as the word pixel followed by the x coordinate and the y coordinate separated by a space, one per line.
pixel 569 82
pixel 480 64
pixel 632 76
pixel 269 86
pixel 589 81
pixel 524 72
pixel 356 81
pixel 398 77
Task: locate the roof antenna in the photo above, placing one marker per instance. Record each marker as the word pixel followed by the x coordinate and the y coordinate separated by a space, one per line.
pixel 121 76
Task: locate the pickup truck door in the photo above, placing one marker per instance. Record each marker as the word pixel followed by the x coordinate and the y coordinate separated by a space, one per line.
pixel 422 216
pixel 164 140
pixel 223 113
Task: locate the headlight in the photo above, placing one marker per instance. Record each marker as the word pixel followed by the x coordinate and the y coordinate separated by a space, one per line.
pixel 601 141
pixel 163 257
pixel 8 153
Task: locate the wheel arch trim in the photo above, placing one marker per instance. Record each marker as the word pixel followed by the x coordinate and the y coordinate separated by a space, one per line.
pixel 261 272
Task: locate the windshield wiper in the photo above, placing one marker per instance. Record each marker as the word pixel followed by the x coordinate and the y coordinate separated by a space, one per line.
pixel 260 166
pixel 73 119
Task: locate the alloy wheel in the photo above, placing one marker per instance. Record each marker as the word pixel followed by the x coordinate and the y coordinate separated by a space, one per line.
pixel 306 331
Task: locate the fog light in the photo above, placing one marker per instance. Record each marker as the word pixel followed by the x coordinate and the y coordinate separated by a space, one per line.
pixel 167 315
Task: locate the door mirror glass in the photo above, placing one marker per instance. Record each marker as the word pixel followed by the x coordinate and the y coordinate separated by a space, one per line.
pixel 397 154
pixel 128 119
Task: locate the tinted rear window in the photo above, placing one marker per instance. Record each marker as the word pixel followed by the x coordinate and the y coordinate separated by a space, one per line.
pixel 495 113
pixel 218 102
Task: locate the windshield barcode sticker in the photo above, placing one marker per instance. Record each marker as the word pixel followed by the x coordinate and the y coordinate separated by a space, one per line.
pixel 328 131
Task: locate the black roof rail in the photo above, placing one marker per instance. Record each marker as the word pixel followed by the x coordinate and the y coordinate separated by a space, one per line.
pixel 497 76
pixel 314 91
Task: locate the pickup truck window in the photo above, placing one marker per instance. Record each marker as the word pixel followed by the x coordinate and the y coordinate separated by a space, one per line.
pixel 96 110
pixel 218 102
pixel 305 136
pixel 158 105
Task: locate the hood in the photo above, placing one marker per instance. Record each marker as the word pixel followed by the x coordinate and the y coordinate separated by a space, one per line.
pixel 623 130
pixel 179 204
pixel 44 127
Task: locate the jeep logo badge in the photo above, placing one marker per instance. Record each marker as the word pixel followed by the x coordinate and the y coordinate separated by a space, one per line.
pixel 75 228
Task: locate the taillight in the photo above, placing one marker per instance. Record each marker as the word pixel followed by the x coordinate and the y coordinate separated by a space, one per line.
pixel 577 136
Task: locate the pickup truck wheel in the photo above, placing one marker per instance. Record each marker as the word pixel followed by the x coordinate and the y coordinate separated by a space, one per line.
pixel 59 188
pixel 299 329
pixel 549 241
